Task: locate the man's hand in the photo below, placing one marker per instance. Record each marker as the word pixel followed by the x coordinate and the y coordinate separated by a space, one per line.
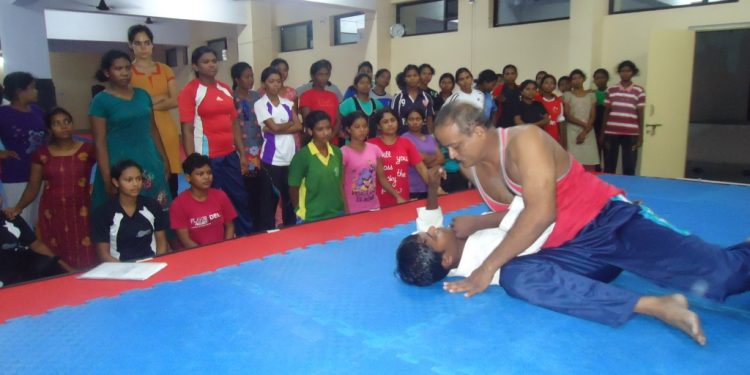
pixel 476 283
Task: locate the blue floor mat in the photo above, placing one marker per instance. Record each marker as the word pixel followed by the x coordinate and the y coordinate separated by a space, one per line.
pixel 338 308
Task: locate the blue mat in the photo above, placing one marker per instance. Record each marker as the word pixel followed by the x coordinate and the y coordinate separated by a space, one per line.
pixel 337 308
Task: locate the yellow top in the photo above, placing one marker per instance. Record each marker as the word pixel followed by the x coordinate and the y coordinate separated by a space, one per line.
pixel 157 84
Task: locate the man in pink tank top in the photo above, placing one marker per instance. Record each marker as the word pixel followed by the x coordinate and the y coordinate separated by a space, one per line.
pixel 597 234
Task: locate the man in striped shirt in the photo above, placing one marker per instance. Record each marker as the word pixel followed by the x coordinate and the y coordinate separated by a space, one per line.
pixel 623 119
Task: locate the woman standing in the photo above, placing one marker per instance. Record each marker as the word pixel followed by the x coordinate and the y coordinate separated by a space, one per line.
pixel 361 101
pixel 411 96
pixel 320 99
pixel 466 93
pixel 65 168
pixel 159 81
pixel 382 80
pixel 21 132
pixel 279 122
pixel 123 127
pixel 286 92
pixel 580 110
pixel 210 127
pixel 243 80
pixel 510 97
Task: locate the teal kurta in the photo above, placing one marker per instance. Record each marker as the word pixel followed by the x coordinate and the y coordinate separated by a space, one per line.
pixel 129 137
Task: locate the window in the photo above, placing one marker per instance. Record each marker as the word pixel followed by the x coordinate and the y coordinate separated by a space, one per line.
pixel 220 48
pixel 348 28
pixel 176 56
pixel 428 17
pixel 627 6
pixel 296 37
pixel 515 12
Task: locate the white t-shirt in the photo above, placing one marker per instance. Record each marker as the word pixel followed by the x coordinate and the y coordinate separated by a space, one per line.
pixel 278 149
pixel 481 244
pixel 476 98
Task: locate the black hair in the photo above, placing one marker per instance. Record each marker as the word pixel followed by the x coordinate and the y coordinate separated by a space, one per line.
pixel 348 120
pixel 236 72
pixel 602 71
pixel 628 64
pixel 364 64
pixel 542 72
pixel 526 83
pixel 426 66
pixel 121 166
pixel 417 110
pixel 107 60
pixel 577 72
pixel 195 161
pixel 318 65
pixel 378 115
pixel 135 29
pixel 278 61
pixel 401 80
pixel 463 70
pixel 54 112
pixel 449 76
pixel 198 52
pixel 509 66
pixel 267 72
pixel 315 117
pixel 380 72
pixel 15 82
pixel 361 76
pixel 562 79
pixel 410 67
pixel 417 264
pixel 546 76
pixel 487 75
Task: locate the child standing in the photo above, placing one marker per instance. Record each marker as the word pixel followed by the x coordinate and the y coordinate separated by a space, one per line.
pixel 447 83
pixel 428 149
pixel 601 78
pixel 363 162
pixel 466 93
pixel 485 83
pixel 201 215
pixel 398 154
pixel 579 114
pixel 382 80
pixel 553 104
pixel 529 110
pixel 315 173
pixel 510 96
pixel 623 120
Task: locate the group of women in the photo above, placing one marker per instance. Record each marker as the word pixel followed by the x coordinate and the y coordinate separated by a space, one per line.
pixel 252 137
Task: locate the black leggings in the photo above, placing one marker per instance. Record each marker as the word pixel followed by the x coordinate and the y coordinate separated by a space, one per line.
pixel 612 146
pixel 275 185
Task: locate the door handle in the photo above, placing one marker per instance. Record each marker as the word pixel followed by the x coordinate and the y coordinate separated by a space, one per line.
pixel 651 128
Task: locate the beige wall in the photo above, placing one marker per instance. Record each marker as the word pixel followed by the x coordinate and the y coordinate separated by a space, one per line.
pixel 626 36
pixel 73 76
pixel 344 58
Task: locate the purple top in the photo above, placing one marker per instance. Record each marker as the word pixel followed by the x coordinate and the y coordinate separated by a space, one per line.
pixel 21 132
pixel 427 146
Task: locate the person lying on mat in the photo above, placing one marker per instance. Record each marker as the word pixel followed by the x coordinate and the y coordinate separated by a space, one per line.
pixel 434 251
pixel 597 233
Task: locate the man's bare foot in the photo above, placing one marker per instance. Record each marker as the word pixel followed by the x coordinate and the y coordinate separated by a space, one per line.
pixel 673 310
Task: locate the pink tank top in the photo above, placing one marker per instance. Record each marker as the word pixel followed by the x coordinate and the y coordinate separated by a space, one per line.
pixel 580 197
pixel 494 205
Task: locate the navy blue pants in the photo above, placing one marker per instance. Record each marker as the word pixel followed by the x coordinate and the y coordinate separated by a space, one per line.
pixel 228 177
pixel 573 278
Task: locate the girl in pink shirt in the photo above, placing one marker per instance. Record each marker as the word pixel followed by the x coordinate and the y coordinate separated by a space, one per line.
pixel 362 164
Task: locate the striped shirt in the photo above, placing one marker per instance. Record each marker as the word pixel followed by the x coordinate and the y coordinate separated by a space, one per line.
pixel 624 103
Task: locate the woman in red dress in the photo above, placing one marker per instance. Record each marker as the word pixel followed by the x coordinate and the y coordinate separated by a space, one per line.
pixel 65 167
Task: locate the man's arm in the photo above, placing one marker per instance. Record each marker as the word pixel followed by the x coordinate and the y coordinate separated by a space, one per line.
pixel 535 162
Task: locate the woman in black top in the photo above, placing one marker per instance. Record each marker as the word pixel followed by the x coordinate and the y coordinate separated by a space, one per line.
pixel 530 111
pixel 129 226
pixel 509 97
